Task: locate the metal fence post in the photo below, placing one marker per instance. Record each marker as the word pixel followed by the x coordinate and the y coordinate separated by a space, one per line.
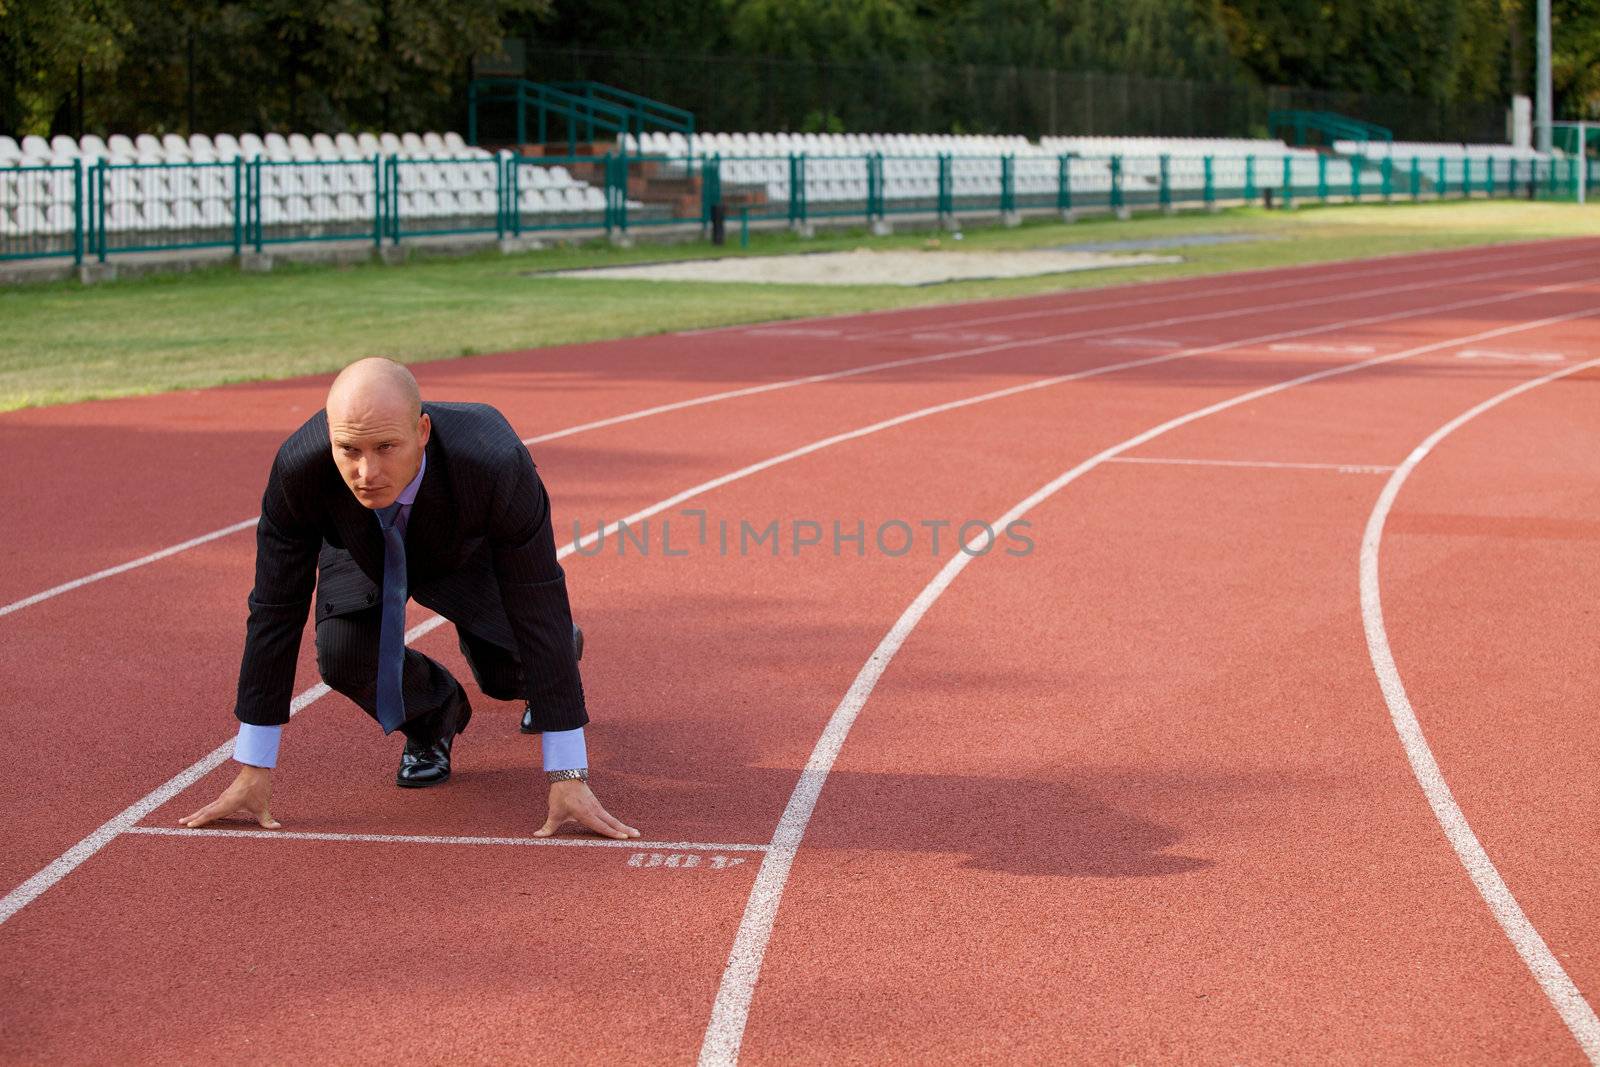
pixel 1288 183
pixel 238 205
pixel 1386 174
pixel 1416 179
pixel 1250 179
pixel 1116 183
pixel 1210 190
pixel 710 187
pixel 501 188
pixel 1442 186
pixel 946 192
pixel 1164 193
pixel 380 200
pixel 1008 185
pixel 1322 177
pixel 874 187
pixel 77 213
pixel 391 174
pixel 797 188
pixel 100 209
pixel 1064 183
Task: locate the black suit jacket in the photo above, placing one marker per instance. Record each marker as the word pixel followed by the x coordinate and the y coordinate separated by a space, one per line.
pixel 479 551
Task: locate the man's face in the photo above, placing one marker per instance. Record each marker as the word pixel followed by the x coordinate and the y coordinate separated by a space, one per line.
pixel 378 449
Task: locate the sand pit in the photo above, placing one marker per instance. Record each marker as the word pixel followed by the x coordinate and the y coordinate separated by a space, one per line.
pixel 866 267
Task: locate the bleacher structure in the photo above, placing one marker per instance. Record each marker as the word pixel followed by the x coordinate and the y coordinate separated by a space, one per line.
pixel 146 193
pixel 92 197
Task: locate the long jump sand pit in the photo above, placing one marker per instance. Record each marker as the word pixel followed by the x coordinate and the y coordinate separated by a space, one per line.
pixel 866 267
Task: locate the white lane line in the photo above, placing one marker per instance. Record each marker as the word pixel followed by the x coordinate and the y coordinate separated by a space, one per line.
pixel 1427 260
pixel 1342 468
pixel 1137 342
pixel 30 890
pixel 1248 287
pixel 730 1011
pixel 1512 357
pixel 1339 350
pixel 1562 992
pixel 812 379
pixel 446 839
pixel 67 587
pixel 121 823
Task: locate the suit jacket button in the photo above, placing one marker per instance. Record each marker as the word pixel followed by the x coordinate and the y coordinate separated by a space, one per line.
pixel 372 598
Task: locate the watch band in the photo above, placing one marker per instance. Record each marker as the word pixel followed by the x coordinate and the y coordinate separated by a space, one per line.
pixel 575 774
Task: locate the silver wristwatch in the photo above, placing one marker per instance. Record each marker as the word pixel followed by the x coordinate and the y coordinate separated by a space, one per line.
pixel 576 774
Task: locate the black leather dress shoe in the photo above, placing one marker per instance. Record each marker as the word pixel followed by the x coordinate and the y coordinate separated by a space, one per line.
pixel 577 653
pixel 426 760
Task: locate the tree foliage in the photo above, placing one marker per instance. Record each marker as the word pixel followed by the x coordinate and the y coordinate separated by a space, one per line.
pixel 342 64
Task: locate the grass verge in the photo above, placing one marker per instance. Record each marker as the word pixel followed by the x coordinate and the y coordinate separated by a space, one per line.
pixel 65 342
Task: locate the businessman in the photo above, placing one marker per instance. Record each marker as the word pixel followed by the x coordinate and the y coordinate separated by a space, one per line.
pixel 380 498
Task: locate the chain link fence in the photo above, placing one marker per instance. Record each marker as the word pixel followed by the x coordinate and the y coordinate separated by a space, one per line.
pixel 731 93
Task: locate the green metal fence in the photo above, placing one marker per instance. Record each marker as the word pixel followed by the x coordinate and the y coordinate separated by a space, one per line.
pixel 95 210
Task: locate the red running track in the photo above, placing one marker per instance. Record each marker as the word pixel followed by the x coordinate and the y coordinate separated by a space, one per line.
pixel 1135 795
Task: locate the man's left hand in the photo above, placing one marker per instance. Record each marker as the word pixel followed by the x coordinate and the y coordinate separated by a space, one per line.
pixel 572 801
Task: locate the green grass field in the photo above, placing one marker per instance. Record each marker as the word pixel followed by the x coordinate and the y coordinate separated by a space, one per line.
pixel 64 342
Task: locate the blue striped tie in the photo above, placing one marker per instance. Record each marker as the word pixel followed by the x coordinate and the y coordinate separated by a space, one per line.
pixel 392 638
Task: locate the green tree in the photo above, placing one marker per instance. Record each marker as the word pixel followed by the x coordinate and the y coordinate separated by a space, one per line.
pixel 42 44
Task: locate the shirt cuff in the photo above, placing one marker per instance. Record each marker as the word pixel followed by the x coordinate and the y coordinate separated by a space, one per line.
pixel 564 750
pixel 257 746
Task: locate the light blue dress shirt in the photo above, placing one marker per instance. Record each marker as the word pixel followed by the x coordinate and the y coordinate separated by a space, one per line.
pixel 257 746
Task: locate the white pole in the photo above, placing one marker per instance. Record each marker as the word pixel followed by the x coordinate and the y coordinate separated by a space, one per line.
pixel 1541 86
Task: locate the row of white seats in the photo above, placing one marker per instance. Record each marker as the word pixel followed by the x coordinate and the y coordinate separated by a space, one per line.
pixel 1138 175
pixel 1177 147
pixel 1434 150
pixel 824 144
pixel 62 150
pixel 217 212
pixel 171 184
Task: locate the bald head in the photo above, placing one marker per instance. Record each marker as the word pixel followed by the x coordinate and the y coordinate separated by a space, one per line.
pixel 377 429
pixel 375 383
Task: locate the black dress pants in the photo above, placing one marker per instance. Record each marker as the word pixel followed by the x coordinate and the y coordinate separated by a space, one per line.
pixel 347 659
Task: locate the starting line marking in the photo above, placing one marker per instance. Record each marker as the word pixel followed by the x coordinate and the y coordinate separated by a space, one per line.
pixel 1511 357
pixel 1342 468
pixel 642 847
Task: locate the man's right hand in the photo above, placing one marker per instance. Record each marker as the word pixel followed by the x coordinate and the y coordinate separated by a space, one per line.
pixel 249 796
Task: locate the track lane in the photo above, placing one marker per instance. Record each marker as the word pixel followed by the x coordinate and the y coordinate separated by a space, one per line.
pixel 1025 854
pixel 165 435
pixel 61 806
pixel 1496 665
pixel 781 665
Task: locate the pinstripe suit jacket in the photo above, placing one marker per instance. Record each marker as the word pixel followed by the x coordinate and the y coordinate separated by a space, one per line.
pixel 479 551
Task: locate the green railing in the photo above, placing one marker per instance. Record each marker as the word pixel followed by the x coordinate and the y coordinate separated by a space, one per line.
pixel 1333 126
pixel 95 210
pixel 649 114
pixel 588 111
